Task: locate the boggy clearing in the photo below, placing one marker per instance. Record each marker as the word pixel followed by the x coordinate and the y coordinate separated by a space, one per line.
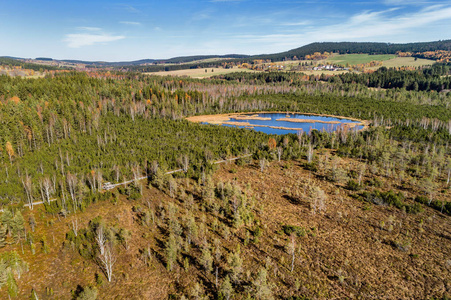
pixel 282 120
pixel 255 222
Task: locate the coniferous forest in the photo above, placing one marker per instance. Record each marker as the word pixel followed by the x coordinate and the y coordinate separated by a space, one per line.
pixel 314 215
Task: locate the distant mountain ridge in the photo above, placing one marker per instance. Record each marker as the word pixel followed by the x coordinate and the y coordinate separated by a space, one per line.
pixel 337 47
pixel 358 47
pixel 174 60
pixel 301 52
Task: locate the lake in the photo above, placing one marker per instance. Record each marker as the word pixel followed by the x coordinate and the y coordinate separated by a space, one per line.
pixel 283 123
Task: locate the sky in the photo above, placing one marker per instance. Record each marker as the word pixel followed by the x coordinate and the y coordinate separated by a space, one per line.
pixel 100 30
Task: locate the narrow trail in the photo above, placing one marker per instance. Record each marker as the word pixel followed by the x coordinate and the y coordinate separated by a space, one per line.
pixel 108 186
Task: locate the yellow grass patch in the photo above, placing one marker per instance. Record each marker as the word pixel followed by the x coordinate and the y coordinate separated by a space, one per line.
pixel 200 73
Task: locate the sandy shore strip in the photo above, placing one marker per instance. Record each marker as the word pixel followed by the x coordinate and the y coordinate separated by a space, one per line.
pixel 253 117
pixel 307 121
pixel 211 119
pixel 220 118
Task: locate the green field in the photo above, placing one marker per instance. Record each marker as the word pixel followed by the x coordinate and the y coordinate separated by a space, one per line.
pixel 355 59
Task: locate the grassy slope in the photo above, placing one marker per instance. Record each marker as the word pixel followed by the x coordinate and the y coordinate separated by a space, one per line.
pixel 345 253
pixel 200 73
pixel 354 59
pixel 388 60
pixel 407 62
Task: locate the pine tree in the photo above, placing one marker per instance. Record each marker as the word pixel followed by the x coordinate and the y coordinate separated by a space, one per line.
pixel 226 289
pixel 206 259
pixel 235 263
pixel 3 272
pixel 33 295
pixel 7 219
pixel 88 293
pixel 171 252
pixel 262 289
pixel 18 227
pixel 2 236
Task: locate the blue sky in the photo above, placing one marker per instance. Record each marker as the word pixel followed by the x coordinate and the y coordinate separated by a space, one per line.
pixel 131 30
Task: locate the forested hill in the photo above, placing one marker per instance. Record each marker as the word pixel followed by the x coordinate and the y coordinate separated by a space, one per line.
pixel 14 62
pixel 174 60
pixel 354 47
pixel 300 53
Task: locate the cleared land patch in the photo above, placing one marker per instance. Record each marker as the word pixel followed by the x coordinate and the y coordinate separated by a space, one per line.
pixel 200 73
pixel 407 62
pixel 355 59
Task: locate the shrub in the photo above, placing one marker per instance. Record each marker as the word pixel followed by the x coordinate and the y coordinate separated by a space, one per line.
pixel 134 196
pixel 385 198
pixel 414 208
pixel 289 229
pixel 352 185
pixel 313 166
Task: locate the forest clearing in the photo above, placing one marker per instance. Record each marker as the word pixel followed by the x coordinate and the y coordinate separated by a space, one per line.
pixel 200 72
pixel 333 239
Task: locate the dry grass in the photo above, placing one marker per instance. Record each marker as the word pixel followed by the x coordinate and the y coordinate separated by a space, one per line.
pixel 200 73
pixel 404 62
pixel 325 72
pixel 407 62
pixel 345 253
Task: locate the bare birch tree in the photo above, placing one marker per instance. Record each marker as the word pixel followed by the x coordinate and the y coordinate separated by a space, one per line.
pixel 318 200
pixel 99 179
pixel 185 163
pixel 72 184
pixel 74 226
pixel 27 184
pixel 46 189
pixel 107 260
pixel 262 164
pixel 279 152
pixel 291 249
pixel 101 239
pixel 310 153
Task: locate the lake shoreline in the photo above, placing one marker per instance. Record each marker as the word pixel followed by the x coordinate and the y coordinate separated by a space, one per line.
pixel 220 119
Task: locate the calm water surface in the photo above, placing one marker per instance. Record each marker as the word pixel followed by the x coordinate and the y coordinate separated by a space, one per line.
pixel 306 127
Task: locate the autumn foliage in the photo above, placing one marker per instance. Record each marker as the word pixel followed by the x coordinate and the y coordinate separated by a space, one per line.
pixel 272 143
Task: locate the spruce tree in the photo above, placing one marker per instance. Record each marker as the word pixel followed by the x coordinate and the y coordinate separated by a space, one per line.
pixel 2 236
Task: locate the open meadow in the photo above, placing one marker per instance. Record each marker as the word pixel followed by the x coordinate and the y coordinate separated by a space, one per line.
pixel 407 62
pixel 355 59
pixel 200 73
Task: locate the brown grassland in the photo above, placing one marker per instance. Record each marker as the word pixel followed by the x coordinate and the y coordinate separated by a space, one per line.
pixel 352 249
pixel 201 72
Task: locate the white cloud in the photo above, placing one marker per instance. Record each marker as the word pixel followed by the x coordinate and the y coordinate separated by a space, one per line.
pixel 302 23
pixel 376 24
pixel 411 2
pixel 89 28
pixel 201 16
pixel 130 23
pixel 367 25
pixel 128 8
pixel 77 40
